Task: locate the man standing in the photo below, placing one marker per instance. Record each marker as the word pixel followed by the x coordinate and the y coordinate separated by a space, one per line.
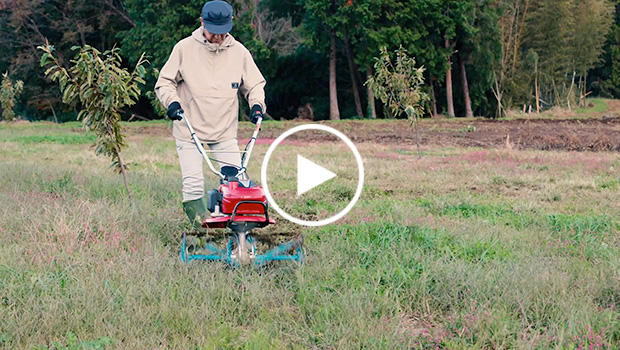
pixel 201 79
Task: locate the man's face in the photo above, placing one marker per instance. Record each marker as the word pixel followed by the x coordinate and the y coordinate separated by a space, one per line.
pixel 213 38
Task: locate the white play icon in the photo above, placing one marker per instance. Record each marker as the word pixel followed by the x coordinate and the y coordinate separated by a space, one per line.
pixel 310 175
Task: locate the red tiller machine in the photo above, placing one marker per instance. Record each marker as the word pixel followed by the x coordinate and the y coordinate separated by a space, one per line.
pixel 240 205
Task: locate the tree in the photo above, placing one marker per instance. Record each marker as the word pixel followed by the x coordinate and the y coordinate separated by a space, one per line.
pixel 477 45
pixel 511 23
pixel 593 20
pixel 449 98
pixel 549 34
pixel 399 86
pixel 562 40
pixel 97 82
pixel 27 24
pixel 605 79
pixel 9 91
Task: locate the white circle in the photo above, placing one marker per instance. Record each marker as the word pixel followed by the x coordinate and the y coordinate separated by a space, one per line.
pixel 358 158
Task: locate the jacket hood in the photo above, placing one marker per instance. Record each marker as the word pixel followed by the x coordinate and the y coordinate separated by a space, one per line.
pixel 198 36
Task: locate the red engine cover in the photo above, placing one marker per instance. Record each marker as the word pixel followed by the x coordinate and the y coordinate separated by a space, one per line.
pixel 232 194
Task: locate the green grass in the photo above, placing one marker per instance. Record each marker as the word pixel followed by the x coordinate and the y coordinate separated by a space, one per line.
pixel 71 139
pixel 462 249
pixel 40 125
pixel 600 106
pixel 44 133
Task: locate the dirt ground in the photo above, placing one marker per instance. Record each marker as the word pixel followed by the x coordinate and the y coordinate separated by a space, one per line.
pixel 600 134
pixel 570 135
pixel 560 131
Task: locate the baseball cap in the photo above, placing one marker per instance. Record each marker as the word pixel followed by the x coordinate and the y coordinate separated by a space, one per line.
pixel 217 17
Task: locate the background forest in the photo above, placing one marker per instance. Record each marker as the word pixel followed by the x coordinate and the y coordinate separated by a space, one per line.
pixel 480 57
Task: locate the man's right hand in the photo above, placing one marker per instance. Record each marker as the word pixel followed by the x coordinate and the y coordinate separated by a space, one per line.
pixel 175 111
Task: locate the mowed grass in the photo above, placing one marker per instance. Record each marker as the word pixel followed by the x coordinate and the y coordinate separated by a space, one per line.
pixel 462 249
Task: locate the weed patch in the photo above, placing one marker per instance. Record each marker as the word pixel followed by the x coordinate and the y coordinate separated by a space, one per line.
pixel 599 105
pixel 496 215
pixel 73 343
pixel 63 139
pixel 580 228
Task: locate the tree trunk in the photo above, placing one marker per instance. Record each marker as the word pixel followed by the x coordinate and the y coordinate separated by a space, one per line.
pixel 556 94
pixel 582 90
pixel 519 35
pixel 352 69
pixel 433 99
pixel 498 92
pixel 468 110
pixel 570 90
pixel 124 172
pixel 53 113
pixel 334 113
pixel 372 111
pixel 414 119
pixel 536 87
pixel 537 94
pixel 121 163
pixel 450 101
pixel 120 12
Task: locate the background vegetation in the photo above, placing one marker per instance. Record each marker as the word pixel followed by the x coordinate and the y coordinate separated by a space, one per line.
pixel 480 57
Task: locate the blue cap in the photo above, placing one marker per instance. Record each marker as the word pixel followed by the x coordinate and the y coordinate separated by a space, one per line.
pixel 217 17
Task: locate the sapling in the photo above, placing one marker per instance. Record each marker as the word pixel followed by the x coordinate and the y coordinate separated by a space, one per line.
pixel 399 86
pixel 9 92
pixel 97 83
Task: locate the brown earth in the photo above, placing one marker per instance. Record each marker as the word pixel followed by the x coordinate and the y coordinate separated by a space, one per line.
pixel 592 133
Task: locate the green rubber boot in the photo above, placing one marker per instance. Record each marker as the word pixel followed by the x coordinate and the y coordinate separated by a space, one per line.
pixel 196 211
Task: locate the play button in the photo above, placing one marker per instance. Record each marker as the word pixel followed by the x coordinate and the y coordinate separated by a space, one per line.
pixel 310 175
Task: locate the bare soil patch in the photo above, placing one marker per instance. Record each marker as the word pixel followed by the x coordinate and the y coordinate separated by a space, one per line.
pixel 600 134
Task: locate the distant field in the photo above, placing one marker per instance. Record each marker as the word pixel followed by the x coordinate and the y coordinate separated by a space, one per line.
pixel 499 246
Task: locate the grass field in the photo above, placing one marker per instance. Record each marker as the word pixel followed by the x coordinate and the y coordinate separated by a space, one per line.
pixel 465 248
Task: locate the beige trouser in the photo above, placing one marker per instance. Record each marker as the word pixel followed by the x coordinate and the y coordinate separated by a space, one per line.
pixel 192 164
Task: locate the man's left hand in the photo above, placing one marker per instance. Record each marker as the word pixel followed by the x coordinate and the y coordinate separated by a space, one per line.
pixel 255 113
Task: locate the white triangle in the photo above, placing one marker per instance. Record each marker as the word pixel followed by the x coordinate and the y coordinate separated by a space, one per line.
pixel 310 175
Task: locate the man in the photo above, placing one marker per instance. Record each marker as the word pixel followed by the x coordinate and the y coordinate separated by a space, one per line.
pixel 201 79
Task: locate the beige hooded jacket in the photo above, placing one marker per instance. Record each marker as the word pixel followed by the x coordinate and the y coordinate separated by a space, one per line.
pixel 205 78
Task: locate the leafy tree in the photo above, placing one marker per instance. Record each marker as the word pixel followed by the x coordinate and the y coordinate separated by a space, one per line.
pixel 9 92
pixel 399 86
pixel 506 81
pixel 478 49
pixel 98 82
pixel 360 22
pixel 549 34
pixel 608 73
pixel 320 26
pixel 27 24
pixel 611 65
pixel 593 20
pixel 566 37
pixel 159 26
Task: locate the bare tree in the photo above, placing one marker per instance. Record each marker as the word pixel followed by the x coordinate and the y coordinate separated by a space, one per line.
pixel 334 112
pixel 466 97
pixel 449 99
